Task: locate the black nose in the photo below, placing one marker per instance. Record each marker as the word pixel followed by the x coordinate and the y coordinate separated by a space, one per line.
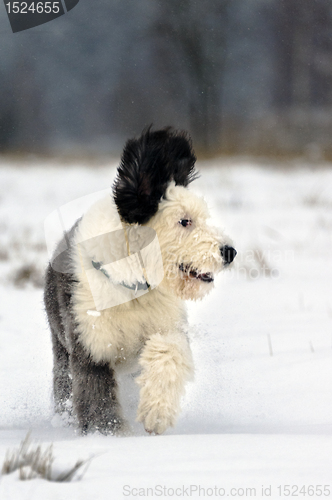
pixel 228 253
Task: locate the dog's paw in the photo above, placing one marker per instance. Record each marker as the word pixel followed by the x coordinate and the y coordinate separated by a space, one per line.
pixel 115 427
pixel 156 419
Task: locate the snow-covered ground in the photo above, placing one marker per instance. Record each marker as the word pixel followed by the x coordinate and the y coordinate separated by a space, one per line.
pixel 259 413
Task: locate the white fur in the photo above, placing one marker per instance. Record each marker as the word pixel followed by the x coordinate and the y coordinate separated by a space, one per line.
pixel 150 327
pixel 167 364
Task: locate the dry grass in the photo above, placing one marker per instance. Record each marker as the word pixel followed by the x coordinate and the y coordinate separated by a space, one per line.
pixel 32 462
pixel 28 273
pixel 23 257
pixel 316 199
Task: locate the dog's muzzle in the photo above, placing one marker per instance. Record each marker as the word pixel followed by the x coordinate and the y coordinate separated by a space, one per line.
pixel 194 274
pixel 228 254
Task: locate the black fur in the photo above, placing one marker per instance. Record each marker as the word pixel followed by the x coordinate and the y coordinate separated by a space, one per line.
pixel 148 165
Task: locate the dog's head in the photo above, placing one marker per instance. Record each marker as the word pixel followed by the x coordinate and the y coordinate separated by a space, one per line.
pixel 151 190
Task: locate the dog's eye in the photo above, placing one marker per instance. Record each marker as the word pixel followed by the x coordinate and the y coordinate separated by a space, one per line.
pixel 185 222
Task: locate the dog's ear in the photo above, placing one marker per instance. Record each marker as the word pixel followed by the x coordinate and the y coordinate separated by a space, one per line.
pixel 182 158
pixel 147 166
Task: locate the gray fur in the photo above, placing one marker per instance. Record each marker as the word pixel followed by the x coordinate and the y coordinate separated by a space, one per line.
pixel 154 170
pixel 92 387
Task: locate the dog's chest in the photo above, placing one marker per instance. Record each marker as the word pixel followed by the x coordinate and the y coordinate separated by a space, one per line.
pixel 117 335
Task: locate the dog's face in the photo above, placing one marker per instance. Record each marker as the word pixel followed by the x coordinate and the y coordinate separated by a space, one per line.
pixel 151 190
pixel 193 252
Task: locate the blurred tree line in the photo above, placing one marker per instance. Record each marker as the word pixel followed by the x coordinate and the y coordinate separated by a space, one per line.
pixel 243 76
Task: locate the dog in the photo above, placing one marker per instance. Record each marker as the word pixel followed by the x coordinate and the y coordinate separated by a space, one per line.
pixel 116 287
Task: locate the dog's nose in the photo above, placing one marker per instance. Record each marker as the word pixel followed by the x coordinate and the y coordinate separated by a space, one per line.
pixel 228 253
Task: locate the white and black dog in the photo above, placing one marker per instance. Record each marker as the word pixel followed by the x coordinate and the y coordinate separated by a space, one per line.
pixel 116 286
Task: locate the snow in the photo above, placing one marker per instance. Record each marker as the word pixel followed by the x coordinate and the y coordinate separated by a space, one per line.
pixel 93 313
pixel 259 412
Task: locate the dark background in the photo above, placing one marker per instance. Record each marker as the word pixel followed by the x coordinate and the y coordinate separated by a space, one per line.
pixel 243 76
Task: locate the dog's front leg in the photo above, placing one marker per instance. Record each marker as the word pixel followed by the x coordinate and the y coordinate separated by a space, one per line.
pixel 166 363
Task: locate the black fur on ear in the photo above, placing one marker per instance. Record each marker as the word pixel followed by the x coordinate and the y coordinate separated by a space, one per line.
pixel 148 164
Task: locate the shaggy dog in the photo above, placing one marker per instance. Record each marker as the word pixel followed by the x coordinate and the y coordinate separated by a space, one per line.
pixel 116 286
